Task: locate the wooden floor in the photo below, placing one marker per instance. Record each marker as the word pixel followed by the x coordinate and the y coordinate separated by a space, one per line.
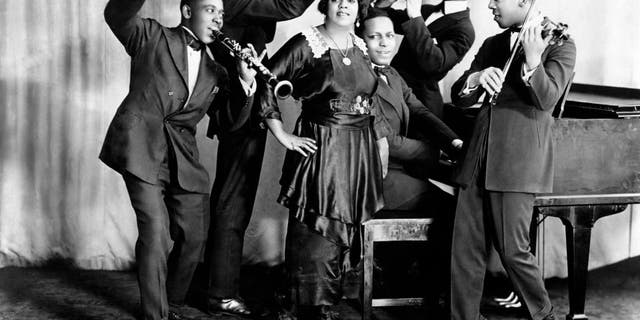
pixel 58 293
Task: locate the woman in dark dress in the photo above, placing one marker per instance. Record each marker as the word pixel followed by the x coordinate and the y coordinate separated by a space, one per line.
pixel 332 177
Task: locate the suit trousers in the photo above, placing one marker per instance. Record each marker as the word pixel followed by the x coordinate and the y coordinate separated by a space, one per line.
pixel 503 219
pixel 165 212
pixel 240 156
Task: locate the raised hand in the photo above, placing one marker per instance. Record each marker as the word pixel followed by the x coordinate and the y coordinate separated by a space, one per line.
pixel 245 69
pixel 533 43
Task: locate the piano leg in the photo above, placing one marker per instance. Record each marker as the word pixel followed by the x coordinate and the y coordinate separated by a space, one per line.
pixel 578 244
pixel 578 221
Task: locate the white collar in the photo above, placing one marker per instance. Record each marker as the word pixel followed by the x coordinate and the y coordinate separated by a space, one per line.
pixel 190 32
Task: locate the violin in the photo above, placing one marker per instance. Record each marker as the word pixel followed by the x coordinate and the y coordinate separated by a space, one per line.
pixel 558 32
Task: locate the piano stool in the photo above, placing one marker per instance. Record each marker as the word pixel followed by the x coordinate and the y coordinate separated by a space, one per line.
pixel 386 230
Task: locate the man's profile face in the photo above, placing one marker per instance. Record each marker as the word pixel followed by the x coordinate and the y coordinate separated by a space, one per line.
pixel 381 40
pixel 508 13
pixel 202 17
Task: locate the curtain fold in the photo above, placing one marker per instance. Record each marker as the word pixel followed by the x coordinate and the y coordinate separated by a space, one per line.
pixel 61 84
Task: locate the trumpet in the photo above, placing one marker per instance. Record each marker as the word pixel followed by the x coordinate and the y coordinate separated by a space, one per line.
pixel 281 88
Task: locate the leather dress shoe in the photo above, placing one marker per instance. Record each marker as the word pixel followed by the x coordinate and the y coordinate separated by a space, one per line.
pixel 231 305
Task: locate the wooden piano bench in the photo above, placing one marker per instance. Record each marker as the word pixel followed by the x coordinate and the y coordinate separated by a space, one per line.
pixel 385 230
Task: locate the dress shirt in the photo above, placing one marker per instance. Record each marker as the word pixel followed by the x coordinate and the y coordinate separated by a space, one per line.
pixel 193 65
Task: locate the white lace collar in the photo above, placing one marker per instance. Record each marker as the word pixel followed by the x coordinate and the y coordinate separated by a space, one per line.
pixel 319 46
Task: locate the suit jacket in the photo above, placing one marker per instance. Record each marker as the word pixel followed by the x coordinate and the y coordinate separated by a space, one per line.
pixel 153 123
pixel 519 155
pixel 427 53
pixel 396 108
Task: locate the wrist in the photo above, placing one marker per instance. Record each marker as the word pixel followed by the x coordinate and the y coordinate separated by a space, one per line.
pixel 532 63
pixel 413 13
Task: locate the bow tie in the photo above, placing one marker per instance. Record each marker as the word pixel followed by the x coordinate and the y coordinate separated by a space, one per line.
pixel 515 29
pixel 193 42
pixel 427 9
pixel 382 70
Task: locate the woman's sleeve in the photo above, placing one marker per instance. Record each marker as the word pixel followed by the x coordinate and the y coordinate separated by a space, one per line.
pixel 287 64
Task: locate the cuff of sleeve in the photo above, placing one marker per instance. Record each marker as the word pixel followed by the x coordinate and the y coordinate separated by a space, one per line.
pixel 526 74
pixel 468 89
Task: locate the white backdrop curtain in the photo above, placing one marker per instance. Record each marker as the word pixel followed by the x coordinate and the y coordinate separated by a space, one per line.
pixel 63 74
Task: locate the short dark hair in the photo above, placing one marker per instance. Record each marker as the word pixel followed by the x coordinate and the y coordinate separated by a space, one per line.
pixel 371 13
pixel 363 5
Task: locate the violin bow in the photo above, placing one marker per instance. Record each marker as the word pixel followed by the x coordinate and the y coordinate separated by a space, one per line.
pixel 514 49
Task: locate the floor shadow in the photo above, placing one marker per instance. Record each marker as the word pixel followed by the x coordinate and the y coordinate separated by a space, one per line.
pixel 64 292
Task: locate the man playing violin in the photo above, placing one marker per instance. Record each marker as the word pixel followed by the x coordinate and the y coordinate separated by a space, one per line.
pixel 509 157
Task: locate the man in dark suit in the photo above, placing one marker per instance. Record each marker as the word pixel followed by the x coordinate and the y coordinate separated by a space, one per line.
pixel 406 194
pixel 437 35
pixel 151 140
pixel 397 107
pixel 509 158
pixel 240 153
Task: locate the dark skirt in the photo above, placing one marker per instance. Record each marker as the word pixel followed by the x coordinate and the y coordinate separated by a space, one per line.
pixel 339 187
pixel 317 272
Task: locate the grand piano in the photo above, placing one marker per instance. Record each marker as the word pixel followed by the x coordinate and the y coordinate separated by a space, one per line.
pixel 596 139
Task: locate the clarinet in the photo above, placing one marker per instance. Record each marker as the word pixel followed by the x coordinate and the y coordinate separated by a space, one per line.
pixel 282 89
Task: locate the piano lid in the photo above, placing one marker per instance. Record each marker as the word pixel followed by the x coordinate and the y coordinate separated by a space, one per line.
pixel 586 101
